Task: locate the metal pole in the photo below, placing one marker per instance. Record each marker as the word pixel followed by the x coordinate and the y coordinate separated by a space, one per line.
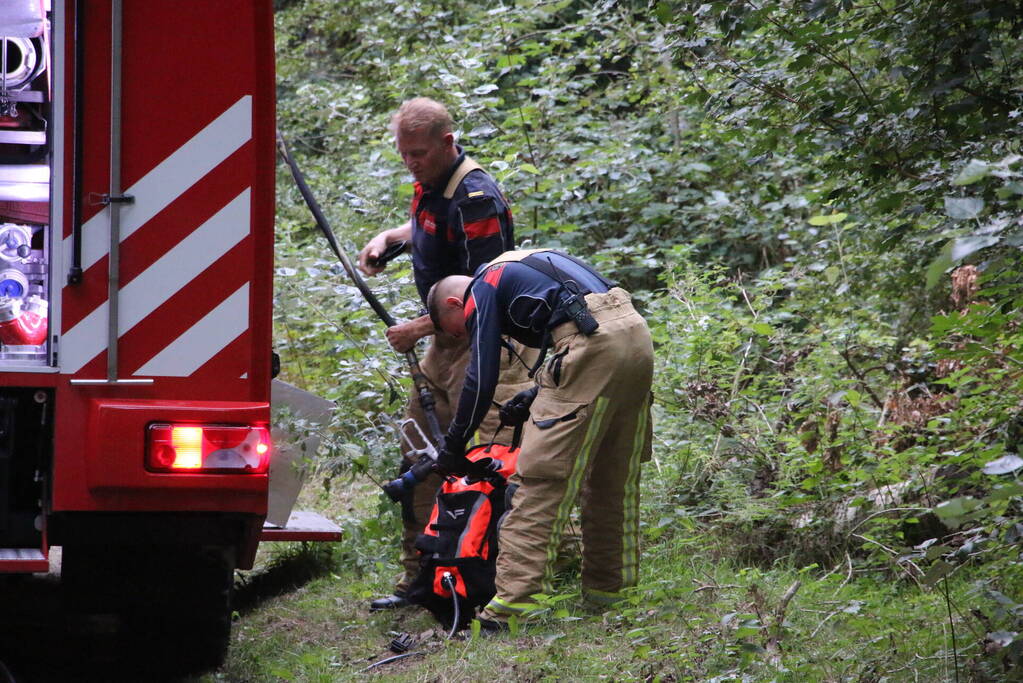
pixel 114 207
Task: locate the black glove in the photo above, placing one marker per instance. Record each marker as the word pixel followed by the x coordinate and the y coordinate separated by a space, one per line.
pixel 482 468
pixel 515 410
pixel 451 457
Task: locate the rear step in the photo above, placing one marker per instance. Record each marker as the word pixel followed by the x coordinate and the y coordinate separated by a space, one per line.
pixel 303 525
pixel 23 560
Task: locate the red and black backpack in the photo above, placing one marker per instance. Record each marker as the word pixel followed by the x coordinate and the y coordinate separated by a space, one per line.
pixel 458 547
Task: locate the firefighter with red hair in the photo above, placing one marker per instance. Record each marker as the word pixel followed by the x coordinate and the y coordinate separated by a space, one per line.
pixel 458 220
pixel 588 426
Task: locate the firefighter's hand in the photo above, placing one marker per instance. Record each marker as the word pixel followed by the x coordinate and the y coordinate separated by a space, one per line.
pixel 375 248
pixel 515 410
pixel 404 336
pixel 371 252
pixel 451 458
pixel 484 468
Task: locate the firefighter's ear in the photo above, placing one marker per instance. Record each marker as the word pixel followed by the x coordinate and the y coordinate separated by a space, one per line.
pixel 453 302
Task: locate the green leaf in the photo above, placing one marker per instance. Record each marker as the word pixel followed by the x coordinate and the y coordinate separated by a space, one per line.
pixel 828 220
pixel 663 12
pixel 937 571
pixel 505 61
pixel 529 168
pixel 831 274
pixel 762 328
pixel 952 512
pixel 936 551
pixel 1008 463
pixel 939 265
pixel 963 208
pixel 1005 492
pixel 972 172
pixel 964 246
pixel 1009 189
pixel 1002 638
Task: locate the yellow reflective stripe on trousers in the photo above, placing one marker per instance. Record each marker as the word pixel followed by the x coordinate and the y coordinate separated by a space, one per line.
pixel 572 490
pixel 499 606
pixel 630 523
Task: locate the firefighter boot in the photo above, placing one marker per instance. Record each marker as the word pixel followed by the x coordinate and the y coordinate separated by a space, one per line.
pixel 492 627
pixel 393 601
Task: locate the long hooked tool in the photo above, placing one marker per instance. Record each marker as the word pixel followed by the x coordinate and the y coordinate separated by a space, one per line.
pixel 423 392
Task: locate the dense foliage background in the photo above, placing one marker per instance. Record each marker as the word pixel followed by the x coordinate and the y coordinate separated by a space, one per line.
pixel 817 205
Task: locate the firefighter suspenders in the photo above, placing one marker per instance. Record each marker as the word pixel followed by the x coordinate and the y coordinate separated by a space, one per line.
pixel 465 168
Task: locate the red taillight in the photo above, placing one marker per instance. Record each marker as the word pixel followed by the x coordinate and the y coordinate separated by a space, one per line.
pixel 207 448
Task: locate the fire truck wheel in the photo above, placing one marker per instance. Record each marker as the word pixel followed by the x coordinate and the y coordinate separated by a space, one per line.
pixel 171 604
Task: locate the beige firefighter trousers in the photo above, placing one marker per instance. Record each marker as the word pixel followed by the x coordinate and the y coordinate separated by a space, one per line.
pixel 444 366
pixel 588 432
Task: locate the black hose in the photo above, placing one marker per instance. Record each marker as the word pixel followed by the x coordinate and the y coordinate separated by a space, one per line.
pixel 391 659
pixel 74 275
pixel 321 222
pixel 418 378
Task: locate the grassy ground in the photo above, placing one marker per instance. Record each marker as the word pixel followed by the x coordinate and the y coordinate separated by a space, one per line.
pixel 303 617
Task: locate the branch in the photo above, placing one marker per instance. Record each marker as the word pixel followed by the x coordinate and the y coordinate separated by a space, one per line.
pixel 388 379
pixel 882 512
pixel 861 378
pixel 826 54
pixel 773 642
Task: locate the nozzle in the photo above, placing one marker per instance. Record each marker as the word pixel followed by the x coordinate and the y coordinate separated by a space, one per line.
pixel 396 489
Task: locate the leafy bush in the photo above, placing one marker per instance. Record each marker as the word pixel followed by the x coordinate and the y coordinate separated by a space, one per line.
pixel 816 204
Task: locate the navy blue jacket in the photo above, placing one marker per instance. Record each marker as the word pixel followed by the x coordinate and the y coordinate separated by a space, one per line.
pixel 456 236
pixel 516 300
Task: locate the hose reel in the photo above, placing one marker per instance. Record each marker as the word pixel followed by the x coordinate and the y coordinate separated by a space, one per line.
pixel 22 61
pixel 15 242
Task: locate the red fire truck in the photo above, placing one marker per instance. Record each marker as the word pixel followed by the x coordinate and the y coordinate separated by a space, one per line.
pixel 136 253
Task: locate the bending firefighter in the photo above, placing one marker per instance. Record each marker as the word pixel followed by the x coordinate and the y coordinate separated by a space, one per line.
pixel 458 221
pixel 589 416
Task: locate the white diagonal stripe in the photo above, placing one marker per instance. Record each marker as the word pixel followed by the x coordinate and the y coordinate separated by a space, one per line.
pixel 202 341
pixel 159 282
pixel 168 180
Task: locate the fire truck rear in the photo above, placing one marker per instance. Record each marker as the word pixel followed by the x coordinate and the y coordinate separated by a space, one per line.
pixel 136 241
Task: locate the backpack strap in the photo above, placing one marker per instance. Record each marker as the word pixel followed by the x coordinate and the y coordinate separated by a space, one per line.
pixel 537 262
pixel 465 168
pixel 514 256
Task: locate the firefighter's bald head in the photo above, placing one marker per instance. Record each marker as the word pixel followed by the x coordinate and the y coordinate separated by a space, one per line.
pixel 446 304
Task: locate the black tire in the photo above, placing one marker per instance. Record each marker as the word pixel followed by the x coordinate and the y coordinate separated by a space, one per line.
pixel 171 605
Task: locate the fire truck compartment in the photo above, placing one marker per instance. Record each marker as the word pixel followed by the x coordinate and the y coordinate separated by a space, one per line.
pixel 25 438
pixel 25 160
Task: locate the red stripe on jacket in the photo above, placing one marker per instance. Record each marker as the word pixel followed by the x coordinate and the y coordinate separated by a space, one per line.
pixel 484 228
pixel 493 275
